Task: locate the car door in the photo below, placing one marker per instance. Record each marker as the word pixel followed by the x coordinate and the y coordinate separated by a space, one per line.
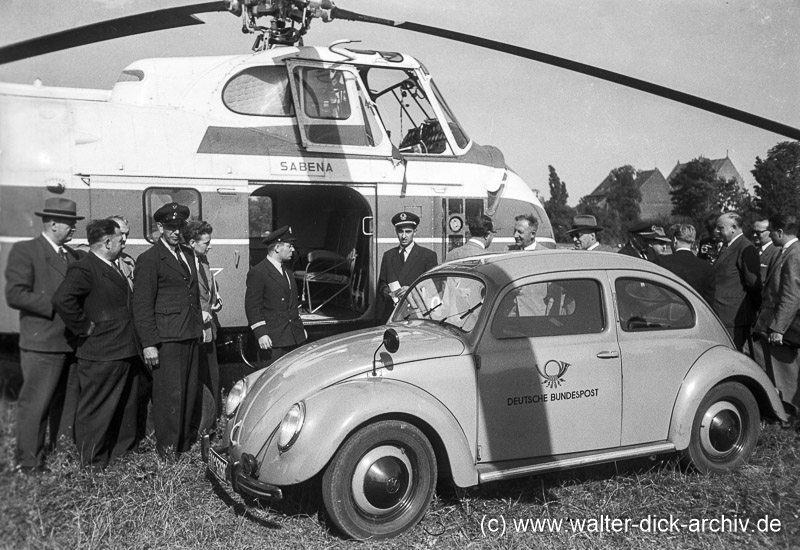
pixel 549 378
pixel 660 336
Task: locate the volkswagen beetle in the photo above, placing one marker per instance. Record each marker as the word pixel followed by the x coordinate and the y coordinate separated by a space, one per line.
pixel 490 368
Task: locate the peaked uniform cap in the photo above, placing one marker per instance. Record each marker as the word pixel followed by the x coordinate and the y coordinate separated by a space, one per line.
pixel 172 214
pixel 402 219
pixel 280 235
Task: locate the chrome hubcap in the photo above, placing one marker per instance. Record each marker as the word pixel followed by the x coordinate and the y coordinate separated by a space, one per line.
pixel 382 481
pixel 721 430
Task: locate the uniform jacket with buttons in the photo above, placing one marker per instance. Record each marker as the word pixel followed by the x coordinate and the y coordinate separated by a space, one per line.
pixel 166 302
pixel 271 305
pixel 33 273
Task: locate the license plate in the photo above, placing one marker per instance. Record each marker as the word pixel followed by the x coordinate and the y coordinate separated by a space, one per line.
pixel 218 465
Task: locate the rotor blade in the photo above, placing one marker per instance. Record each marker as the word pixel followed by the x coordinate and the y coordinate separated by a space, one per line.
pixel 583 68
pixel 130 25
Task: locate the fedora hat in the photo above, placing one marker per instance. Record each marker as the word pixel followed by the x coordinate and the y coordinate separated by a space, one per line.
pixel 58 207
pixel 584 222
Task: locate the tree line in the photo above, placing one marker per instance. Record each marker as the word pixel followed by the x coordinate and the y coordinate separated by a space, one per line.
pixel 697 194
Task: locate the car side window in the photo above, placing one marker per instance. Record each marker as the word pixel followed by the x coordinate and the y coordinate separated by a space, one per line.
pixel 553 308
pixel 647 306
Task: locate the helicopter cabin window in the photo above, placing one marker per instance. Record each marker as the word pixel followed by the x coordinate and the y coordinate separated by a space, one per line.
pixel 262 91
pixel 156 197
pixel 407 112
pixel 334 111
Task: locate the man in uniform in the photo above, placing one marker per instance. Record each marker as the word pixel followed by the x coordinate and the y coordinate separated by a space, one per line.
pixel 166 310
pixel 402 265
pixel 584 232
pixel 94 301
pixel 271 300
pixel 737 279
pixel 34 271
pixel 646 241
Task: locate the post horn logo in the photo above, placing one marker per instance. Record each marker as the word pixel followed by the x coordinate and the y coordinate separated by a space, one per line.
pixel 553 372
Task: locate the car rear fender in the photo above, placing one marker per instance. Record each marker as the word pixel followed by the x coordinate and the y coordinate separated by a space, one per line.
pixel 717 365
pixel 339 410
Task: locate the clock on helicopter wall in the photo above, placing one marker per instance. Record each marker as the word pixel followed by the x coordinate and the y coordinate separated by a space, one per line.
pixel 456 223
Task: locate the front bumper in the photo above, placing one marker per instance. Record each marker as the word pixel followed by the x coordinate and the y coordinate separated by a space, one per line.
pixel 218 462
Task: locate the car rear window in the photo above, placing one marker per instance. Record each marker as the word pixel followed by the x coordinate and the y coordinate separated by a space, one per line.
pixel 554 308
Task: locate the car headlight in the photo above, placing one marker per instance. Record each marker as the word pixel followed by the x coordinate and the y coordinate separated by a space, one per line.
pixel 290 426
pixel 235 396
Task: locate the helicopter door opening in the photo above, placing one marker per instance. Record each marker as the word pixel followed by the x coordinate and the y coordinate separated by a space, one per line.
pixel 333 247
pixel 334 112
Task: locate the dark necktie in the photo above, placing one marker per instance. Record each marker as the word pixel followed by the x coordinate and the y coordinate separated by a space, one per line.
pixel 182 261
pixel 63 253
pixel 402 255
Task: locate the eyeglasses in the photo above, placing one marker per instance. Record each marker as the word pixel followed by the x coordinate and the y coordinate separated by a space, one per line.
pixel 760 231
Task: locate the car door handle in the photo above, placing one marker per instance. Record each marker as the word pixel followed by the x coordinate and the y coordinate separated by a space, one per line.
pixel 608 355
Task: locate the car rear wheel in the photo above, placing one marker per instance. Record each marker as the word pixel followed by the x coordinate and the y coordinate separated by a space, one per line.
pixel 381 480
pixel 725 429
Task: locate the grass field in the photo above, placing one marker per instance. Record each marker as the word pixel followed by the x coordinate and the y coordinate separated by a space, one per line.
pixel 142 503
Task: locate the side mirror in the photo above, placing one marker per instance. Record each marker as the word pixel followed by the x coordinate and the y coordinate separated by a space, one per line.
pixel 391 341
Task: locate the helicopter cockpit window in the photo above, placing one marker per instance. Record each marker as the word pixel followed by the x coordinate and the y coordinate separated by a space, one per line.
pixel 407 113
pixel 262 91
pixel 458 132
pixel 333 109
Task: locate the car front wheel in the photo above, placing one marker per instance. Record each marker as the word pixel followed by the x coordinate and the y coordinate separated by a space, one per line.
pixel 725 429
pixel 381 480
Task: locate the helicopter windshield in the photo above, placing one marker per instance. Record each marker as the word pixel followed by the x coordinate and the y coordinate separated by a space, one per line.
pixel 408 115
pixel 447 300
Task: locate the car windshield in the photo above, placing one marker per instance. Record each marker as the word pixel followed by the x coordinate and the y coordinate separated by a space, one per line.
pixel 447 300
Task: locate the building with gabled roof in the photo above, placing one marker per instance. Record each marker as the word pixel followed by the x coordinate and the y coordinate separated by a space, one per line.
pixel 724 169
pixel 652 185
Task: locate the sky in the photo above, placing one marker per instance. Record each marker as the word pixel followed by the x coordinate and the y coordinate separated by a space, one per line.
pixel 741 53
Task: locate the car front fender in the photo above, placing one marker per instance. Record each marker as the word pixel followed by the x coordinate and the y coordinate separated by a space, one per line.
pixel 337 411
pixel 719 364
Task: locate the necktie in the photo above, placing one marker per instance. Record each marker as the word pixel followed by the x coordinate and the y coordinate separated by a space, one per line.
pixel 63 253
pixel 403 252
pixel 182 260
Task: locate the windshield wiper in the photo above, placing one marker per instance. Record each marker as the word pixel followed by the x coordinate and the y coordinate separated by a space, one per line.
pixel 464 315
pixel 425 314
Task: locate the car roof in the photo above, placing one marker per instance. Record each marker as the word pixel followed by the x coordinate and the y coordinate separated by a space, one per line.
pixel 514 265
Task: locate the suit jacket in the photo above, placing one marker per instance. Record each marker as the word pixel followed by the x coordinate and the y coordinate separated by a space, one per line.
pixel 780 298
pixel 737 283
pixel 271 305
pixel 698 273
pixel 630 250
pixel 469 249
pixel 209 299
pixel 766 258
pixel 94 301
pixel 166 302
pixel 420 260
pixel 33 273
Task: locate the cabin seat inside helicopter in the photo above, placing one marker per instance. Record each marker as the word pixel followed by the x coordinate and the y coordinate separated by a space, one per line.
pixel 332 253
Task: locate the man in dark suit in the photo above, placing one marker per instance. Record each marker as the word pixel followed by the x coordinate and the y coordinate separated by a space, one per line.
pixel 402 265
pixel 94 302
pixel 767 252
pixel 271 300
pixel 779 305
pixel 34 270
pixel 683 263
pixel 737 279
pixel 166 312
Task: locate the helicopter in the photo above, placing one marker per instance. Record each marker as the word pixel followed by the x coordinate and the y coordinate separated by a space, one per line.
pixel 330 140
